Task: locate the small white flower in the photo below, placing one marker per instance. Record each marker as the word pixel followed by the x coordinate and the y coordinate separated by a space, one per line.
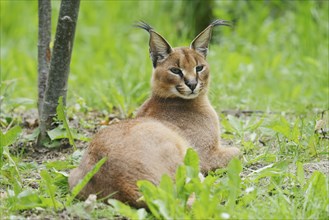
pixel 225 215
pixel 250 189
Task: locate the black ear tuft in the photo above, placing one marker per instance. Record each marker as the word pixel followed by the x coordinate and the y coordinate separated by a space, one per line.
pixel 221 22
pixel 143 25
pixel 201 42
pixel 159 47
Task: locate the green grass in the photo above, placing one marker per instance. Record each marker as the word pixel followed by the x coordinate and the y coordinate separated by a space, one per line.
pixel 274 60
pixel 275 181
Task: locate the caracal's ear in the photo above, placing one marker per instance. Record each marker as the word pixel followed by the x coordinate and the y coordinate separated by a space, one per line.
pixel 159 47
pixel 201 42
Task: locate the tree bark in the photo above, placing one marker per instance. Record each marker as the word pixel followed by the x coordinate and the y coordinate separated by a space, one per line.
pixel 59 65
pixel 44 38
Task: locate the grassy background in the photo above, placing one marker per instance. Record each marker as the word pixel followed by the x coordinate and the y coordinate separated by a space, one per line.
pixel 275 58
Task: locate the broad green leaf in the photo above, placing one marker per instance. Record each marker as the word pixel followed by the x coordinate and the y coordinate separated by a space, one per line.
pixel 59 165
pixel 317 194
pixel 166 184
pixel 295 133
pixel 61 116
pixel 9 137
pixel 191 162
pixel 48 202
pixel 5 140
pixel 233 171
pixel 248 146
pixel 226 125
pixel 206 201
pixel 27 199
pixel 60 109
pixel 57 133
pixel 283 164
pixel 163 209
pixel 53 144
pixel 51 188
pixel 127 211
pixel 60 132
pixel 180 181
pixel 282 127
pixel 85 180
pixel 312 145
pixel 300 173
pixel 149 192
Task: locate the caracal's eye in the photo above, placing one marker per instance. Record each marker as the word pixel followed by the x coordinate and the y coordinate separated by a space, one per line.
pixel 199 68
pixel 176 71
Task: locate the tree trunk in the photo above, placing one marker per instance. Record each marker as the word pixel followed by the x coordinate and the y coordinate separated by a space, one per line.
pixel 203 14
pixel 44 37
pixel 198 13
pixel 59 66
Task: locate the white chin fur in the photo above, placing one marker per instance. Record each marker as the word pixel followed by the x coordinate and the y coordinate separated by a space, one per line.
pixel 190 96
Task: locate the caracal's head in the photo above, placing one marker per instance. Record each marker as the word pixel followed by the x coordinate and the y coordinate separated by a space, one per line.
pixel 183 71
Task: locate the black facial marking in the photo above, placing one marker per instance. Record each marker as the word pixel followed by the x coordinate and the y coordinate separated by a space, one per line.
pixel 199 68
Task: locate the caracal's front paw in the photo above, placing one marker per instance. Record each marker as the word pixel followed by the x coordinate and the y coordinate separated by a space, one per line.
pixel 233 152
pixel 227 154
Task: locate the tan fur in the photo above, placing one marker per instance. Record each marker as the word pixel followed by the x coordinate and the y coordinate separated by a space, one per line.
pixel 137 149
pixel 196 119
pixel 178 115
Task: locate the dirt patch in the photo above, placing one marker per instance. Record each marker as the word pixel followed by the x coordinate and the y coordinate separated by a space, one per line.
pixel 310 168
